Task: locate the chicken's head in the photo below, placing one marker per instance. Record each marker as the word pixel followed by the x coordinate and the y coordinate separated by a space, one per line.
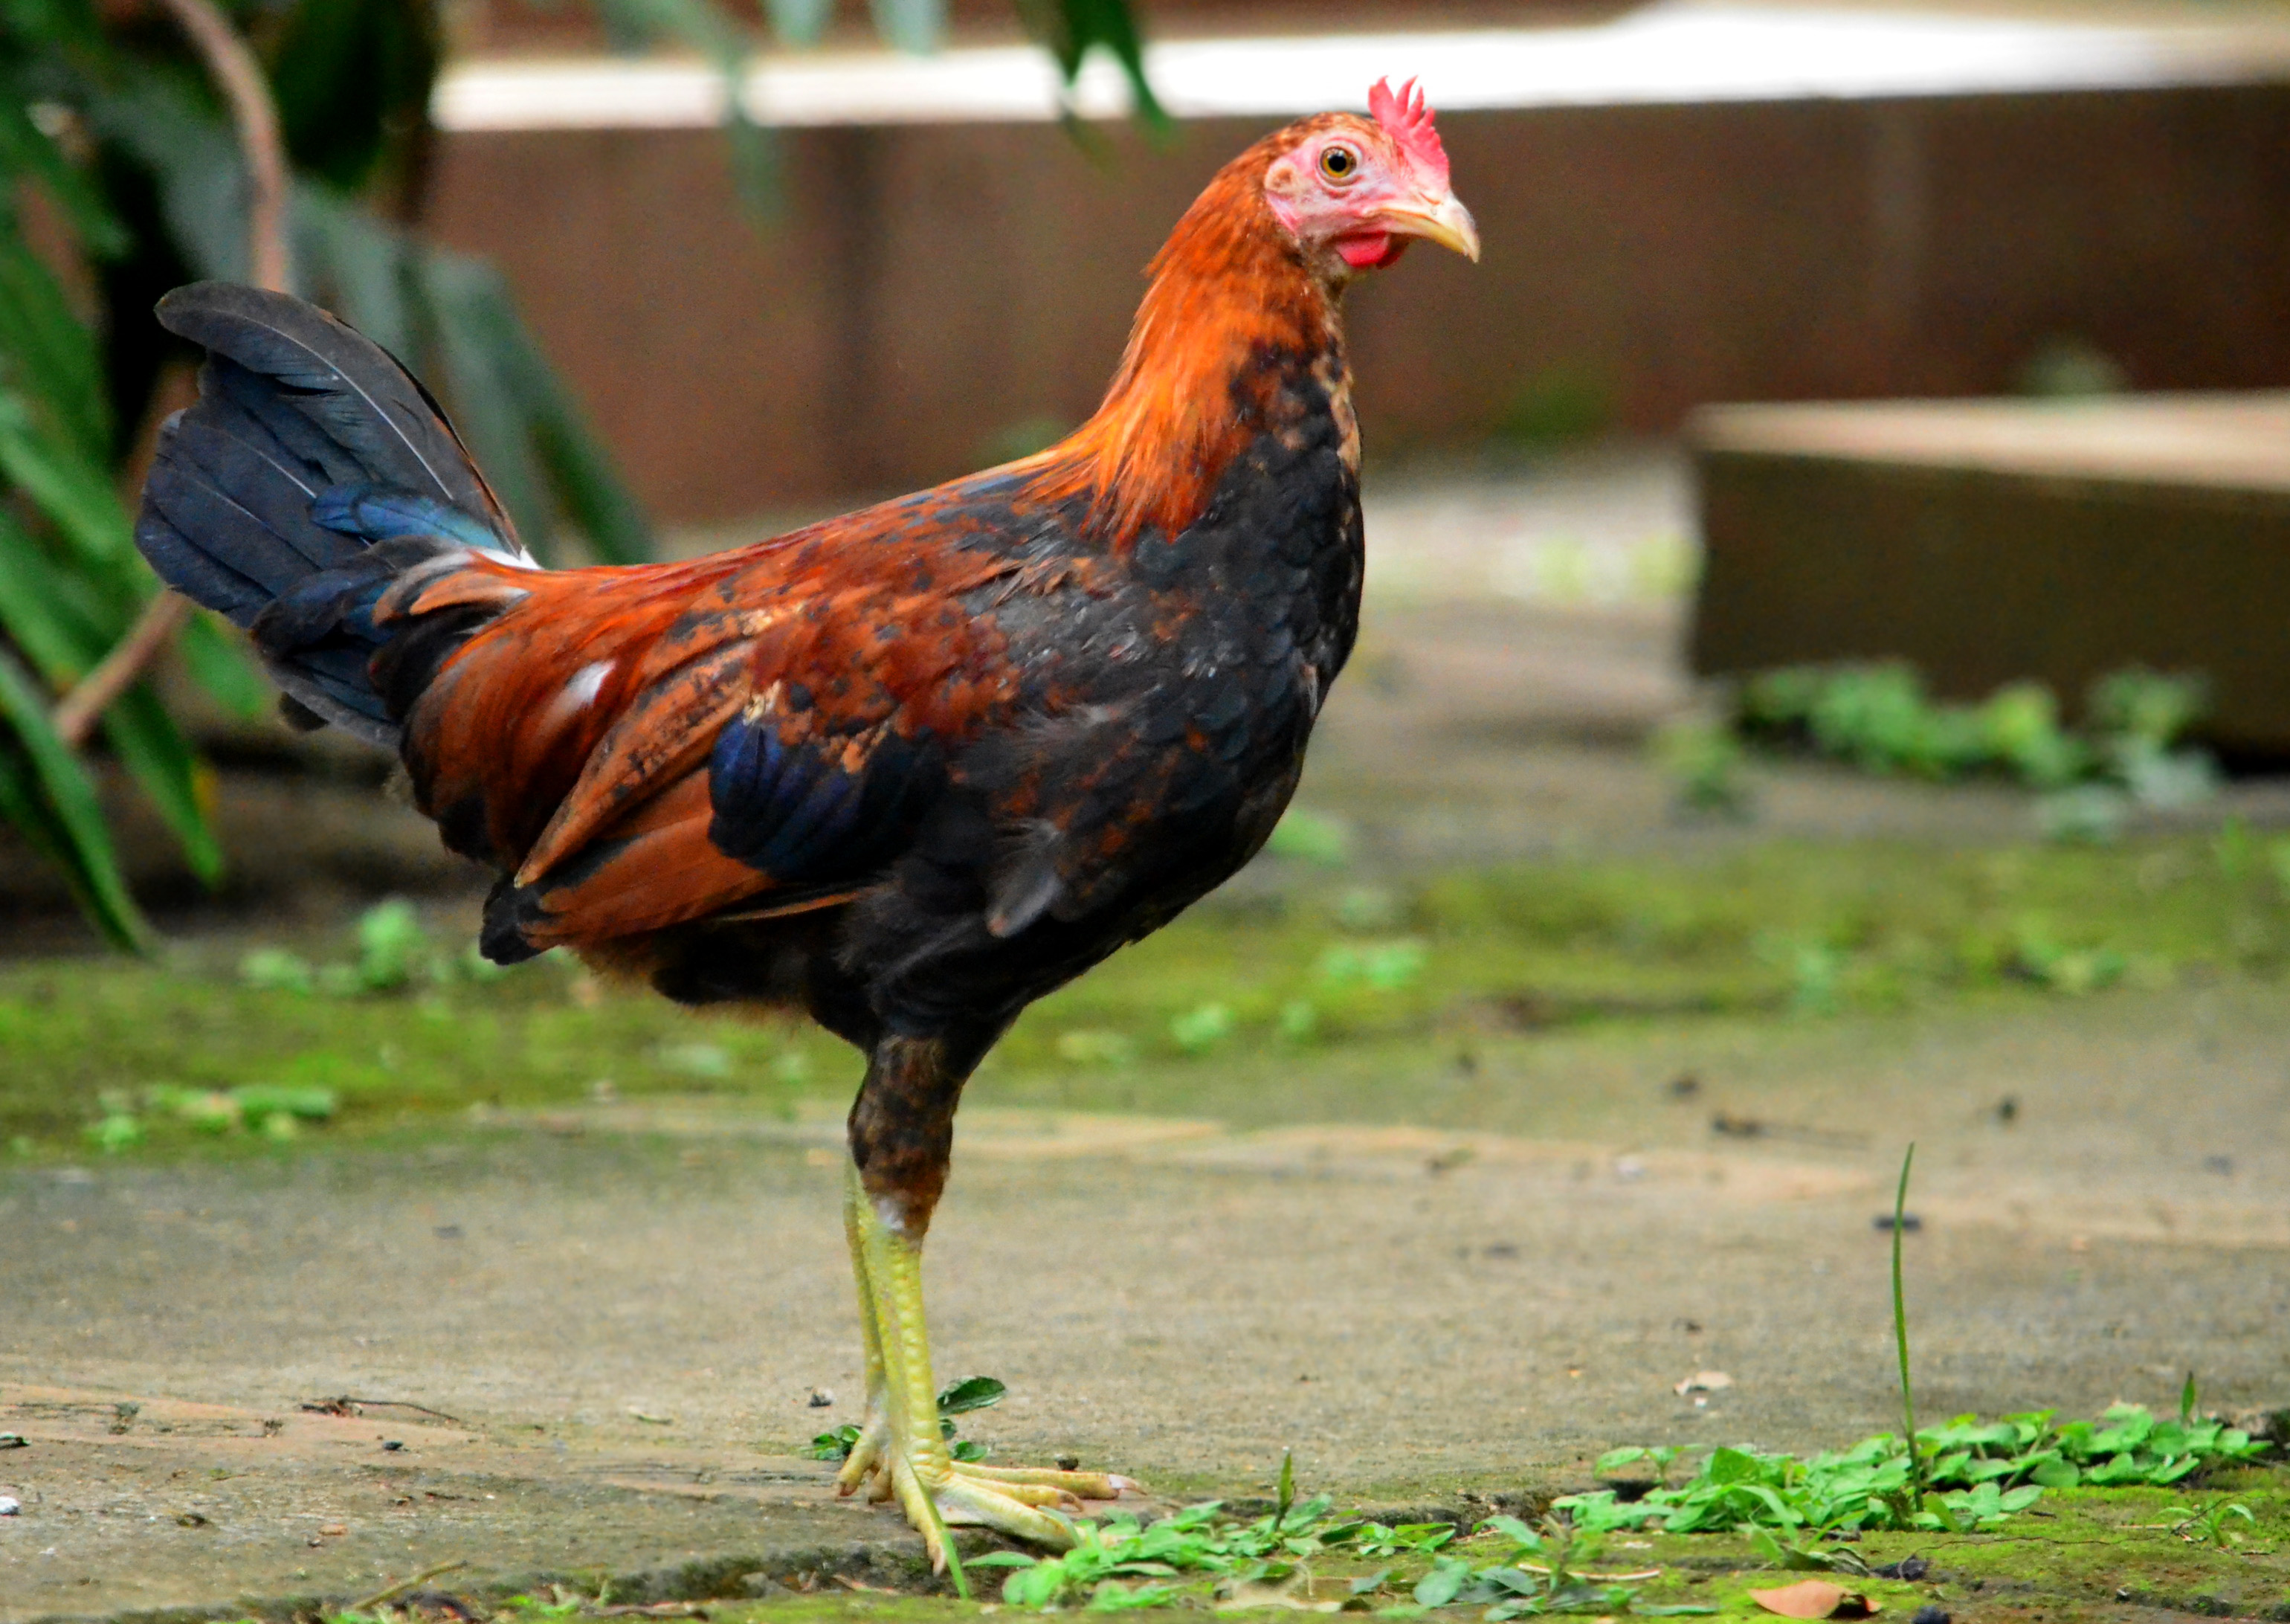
pixel 1354 191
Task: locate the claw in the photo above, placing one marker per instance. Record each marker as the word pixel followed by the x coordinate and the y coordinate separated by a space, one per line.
pixel 1080 1485
pixel 900 1454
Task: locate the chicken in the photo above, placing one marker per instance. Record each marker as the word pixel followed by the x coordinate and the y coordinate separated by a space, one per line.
pixel 905 770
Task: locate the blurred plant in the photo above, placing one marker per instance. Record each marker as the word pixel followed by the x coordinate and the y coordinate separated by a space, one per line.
pixel 1558 406
pixel 2072 369
pixel 394 953
pixel 274 1110
pixel 1311 837
pixel 148 143
pixel 1201 1028
pixel 1380 966
pixel 1096 1048
pixel 1879 718
pixel 1702 760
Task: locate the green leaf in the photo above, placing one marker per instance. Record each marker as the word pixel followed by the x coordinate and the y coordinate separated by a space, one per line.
pixel 50 353
pixel 458 295
pixel 835 1445
pixel 26 153
pixel 971 1393
pixel 712 31
pixel 912 25
pixel 71 488
pixel 517 418
pixel 217 662
pixel 47 610
pixel 799 22
pixel 158 113
pixel 46 793
pixel 1443 1583
pixel 162 762
pixel 348 77
pixel 360 266
pixel 1071 30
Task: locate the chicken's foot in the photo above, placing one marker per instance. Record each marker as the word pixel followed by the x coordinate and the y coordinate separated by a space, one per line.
pixel 901 1453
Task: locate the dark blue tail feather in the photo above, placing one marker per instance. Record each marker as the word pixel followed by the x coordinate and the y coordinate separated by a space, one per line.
pixel 309 446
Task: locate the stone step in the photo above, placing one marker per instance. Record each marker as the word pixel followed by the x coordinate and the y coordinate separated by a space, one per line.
pixel 1989 541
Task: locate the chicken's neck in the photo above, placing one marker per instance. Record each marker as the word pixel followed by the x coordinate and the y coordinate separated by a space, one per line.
pixel 1236 339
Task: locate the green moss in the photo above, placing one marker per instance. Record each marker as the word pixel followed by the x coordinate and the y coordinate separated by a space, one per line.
pixel 1211 1014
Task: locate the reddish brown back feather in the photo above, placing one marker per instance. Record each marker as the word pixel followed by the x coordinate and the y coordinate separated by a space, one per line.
pixel 861 613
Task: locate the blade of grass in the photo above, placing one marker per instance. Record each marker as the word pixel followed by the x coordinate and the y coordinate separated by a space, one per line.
pixel 1901 1333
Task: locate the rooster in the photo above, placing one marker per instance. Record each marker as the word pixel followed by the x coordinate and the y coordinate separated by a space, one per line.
pixel 904 771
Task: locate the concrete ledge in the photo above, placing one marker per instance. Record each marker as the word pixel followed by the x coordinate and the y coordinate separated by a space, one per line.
pixel 1993 541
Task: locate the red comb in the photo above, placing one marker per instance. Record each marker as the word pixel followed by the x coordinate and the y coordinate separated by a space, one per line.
pixel 1408 122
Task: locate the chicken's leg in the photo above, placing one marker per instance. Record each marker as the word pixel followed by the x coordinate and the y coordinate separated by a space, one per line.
pixel 900 1453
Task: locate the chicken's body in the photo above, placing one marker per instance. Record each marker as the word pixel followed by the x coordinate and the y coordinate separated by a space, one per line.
pixel 905 770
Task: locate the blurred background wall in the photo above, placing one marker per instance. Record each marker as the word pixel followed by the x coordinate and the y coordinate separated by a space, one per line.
pixel 936 296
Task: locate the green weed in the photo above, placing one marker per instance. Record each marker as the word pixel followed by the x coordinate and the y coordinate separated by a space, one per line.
pixel 1878 717
pixel 1704 761
pixel 1311 837
pixel 394 955
pixel 2209 1526
pixel 1816 929
pixel 1975 1475
pixel 955 1399
pixel 1203 1554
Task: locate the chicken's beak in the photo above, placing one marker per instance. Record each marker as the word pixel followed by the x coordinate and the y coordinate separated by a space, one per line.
pixel 1440 220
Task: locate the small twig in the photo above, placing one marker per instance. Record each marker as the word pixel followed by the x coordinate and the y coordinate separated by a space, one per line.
pixel 404 1585
pixel 80 709
pixel 240 78
pixel 333 1406
pixel 1602 1578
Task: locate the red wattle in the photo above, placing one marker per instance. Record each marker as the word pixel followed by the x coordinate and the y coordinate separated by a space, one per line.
pixel 1368 252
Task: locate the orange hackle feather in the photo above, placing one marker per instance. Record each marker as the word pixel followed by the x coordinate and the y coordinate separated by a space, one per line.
pixel 1229 285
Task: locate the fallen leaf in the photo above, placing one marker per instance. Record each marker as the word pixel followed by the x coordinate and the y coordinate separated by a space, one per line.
pixel 1703 1381
pixel 1814 1598
pixel 332 1528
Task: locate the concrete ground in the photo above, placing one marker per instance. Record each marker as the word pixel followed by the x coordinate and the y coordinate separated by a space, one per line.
pixel 625 1321
pixel 588 1341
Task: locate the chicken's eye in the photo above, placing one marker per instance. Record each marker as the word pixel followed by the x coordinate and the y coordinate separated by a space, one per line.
pixel 1339 162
